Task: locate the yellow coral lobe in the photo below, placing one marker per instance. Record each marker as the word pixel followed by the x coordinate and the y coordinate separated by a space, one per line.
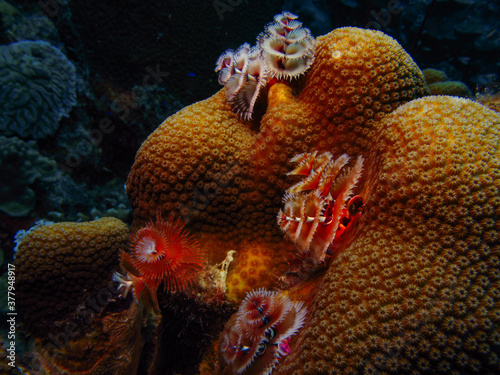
pixel 280 93
pixel 418 287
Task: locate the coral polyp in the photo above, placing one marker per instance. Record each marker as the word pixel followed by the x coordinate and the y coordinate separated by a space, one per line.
pixel 259 334
pixel 161 252
pixel 318 208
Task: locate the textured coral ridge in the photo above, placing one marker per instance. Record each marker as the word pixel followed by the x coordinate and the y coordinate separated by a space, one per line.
pixel 227 177
pixel 418 290
pixel 252 269
pixel 59 264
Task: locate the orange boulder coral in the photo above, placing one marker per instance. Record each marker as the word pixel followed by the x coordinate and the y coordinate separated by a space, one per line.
pixel 59 265
pixel 227 177
pixel 417 290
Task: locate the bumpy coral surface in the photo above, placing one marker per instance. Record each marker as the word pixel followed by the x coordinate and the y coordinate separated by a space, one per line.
pixel 33 27
pixel 440 85
pixel 38 88
pixel 417 290
pixel 59 265
pixel 228 176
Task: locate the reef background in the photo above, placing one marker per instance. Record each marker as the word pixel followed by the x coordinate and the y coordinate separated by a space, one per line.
pixel 137 62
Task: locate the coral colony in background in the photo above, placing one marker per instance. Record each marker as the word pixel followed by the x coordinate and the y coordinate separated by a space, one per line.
pixel 322 213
